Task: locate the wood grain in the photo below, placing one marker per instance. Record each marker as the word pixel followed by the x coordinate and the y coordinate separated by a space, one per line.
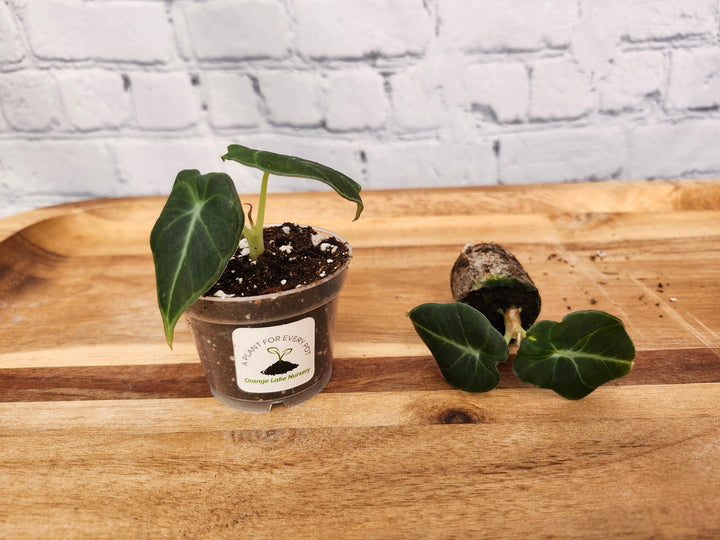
pixel 107 433
pixel 390 374
pixel 519 463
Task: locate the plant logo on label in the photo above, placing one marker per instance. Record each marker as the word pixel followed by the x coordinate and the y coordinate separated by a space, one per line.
pixel 275 358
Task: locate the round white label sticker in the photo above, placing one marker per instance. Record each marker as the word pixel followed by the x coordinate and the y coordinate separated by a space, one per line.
pixel 274 358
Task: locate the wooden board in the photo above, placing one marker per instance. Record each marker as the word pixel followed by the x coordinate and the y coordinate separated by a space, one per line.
pixel 106 432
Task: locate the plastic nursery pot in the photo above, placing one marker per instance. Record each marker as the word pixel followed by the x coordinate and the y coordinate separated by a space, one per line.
pixel 258 351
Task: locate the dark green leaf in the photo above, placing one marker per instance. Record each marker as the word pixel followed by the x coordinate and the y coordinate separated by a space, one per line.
pixel 294 166
pixel 465 345
pixel 575 356
pixel 193 239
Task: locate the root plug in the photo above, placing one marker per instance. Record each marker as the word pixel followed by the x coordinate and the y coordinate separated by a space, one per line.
pixel 489 278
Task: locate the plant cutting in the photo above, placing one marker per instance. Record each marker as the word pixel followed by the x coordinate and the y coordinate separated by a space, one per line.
pixel 573 357
pixel 489 278
pixel 251 292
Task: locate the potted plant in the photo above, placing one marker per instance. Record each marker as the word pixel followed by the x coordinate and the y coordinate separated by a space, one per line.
pixel 260 299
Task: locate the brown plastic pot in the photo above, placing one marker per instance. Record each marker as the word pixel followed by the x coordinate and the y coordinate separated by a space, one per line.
pixel 259 351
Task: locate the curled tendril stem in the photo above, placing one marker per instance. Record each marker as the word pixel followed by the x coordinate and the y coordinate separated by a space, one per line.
pixel 249 214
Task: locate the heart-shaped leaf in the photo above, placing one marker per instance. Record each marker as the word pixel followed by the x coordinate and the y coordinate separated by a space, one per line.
pixel 575 356
pixel 465 345
pixel 193 239
pixel 283 165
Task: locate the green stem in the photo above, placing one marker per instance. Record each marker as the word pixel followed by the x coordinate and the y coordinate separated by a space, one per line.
pixel 254 233
pixel 261 202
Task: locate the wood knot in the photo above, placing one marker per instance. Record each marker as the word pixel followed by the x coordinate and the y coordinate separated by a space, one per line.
pixel 460 416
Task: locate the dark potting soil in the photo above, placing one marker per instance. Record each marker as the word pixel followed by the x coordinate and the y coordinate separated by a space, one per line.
pixel 294 256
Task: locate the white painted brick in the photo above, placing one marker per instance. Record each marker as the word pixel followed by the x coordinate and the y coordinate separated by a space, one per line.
pixel 417 99
pixel 235 30
pixel 559 89
pixel 561 155
pixel 448 66
pixel 357 28
pixel 429 94
pixel 292 98
pixel 164 100
pixel 498 89
pixel 232 102
pixel 94 98
pixel 150 169
pixel 183 41
pixel 653 20
pixel 633 79
pixel 116 31
pixel 489 25
pixel 29 101
pixel 11 46
pixel 78 168
pixel 430 163
pixel 671 150
pixel 593 45
pixel 695 78
pixel 355 100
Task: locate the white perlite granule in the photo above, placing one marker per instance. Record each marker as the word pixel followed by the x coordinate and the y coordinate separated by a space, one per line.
pixel 316 239
pixel 244 247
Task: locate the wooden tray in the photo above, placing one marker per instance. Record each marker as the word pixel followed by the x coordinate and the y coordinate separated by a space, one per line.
pixel 110 432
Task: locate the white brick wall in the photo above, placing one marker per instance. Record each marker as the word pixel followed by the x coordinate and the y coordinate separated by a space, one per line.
pixel 29 100
pixel 73 30
pixel 501 89
pixel 231 100
pixel 695 79
pixel 328 29
pixel 94 99
pixel 113 97
pixel 164 101
pixel 235 30
pixel 355 100
pixel 633 82
pixel 584 153
pixel 11 47
pixel 516 25
pixel 560 90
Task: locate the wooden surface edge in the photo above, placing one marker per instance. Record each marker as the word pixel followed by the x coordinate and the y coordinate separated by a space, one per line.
pixel 685 193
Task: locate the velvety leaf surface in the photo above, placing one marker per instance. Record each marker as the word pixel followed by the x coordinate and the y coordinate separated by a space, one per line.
pixel 575 356
pixel 193 239
pixel 283 165
pixel 465 345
